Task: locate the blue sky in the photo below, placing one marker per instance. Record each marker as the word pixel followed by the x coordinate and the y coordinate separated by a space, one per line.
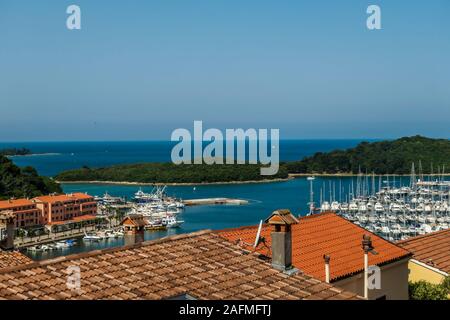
pixel 139 69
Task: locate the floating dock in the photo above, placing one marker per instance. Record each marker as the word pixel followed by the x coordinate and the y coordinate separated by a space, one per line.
pixel 209 201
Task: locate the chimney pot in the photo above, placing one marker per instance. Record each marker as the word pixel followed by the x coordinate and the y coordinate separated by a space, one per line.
pixel 326 258
pixel 367 243
pixel 281 235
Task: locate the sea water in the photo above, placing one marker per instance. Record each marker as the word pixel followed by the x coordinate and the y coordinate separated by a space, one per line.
pixel 263 198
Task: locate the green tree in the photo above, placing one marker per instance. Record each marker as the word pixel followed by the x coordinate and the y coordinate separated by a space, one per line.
pixel 423 290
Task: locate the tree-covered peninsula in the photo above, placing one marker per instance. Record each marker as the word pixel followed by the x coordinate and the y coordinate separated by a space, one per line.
pixel 171 173
pixel 15 152
pixel 23 182
pixel 383 157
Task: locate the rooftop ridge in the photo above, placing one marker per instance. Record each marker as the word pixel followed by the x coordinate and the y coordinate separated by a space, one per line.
pixel 300 218
pixel 94 253
pixel 428 235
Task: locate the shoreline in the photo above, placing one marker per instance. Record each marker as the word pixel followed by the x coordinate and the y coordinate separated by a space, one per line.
pixel 34 154
pixel 129 183
pixel 301 175
pixel 290 177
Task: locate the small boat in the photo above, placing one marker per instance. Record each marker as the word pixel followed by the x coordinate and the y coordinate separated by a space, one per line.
pixel 118 234
pixel 379 207
pixel 60 244
pixel 64 244
pixel 91 237
pixel 52 246
pixel 37 248
pixel 171 222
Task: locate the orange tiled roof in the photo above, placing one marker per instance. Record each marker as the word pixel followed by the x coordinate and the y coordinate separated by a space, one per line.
pixel 64 197
pixel 432 249
pixel 135 219
pixel 320 234
pixel 6 204
pixel 202 265
pixel 12 258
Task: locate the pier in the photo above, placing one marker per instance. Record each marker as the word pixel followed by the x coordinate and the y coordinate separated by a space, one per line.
pixel 209 201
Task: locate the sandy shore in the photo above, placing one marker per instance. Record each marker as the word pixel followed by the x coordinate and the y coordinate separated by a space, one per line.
pixel 129 183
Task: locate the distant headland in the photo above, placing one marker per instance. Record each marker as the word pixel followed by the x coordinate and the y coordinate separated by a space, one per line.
pixel 430 156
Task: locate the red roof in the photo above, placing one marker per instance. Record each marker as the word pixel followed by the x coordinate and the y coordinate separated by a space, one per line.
pixel 202 265
pixel 432 249
pixel 12 259
pixel 320 234
pixel 64 197
pixel 13 203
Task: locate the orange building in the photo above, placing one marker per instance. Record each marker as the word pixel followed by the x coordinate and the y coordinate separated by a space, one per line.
pixel 27 214
pixel 56 208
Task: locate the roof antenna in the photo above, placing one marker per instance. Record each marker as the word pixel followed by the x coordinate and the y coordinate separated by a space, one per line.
pixel 258 235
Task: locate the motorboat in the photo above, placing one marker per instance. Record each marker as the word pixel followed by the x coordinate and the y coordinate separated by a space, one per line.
pixel 171 222
pixel 379 207
pixel 325 206
pixel 91 237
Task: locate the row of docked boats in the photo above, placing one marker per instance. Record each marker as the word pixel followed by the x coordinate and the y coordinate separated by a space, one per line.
pixel 158 209
pixel 158 196
pixel 103 235
pixel 398 213
pixel 58 245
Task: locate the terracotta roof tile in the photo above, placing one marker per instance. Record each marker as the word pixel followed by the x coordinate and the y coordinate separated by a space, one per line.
pixel 7 204
pixel 202 264
pixel 12 259
pixel 432 249
pixel 320 234
pixel 64 197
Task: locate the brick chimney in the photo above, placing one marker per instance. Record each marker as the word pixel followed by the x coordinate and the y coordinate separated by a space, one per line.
pixel 7 220
pixel 281 238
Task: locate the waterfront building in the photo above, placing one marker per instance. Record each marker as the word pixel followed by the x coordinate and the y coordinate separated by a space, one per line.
pixel 65 207
pixel 53 211
pixel 25 210
pixel 431 256
pixel 134 223
pixel 329 248
pixel 200 265
pixel 134 228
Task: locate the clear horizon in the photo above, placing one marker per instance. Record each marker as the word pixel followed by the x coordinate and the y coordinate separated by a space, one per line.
pixel 137 71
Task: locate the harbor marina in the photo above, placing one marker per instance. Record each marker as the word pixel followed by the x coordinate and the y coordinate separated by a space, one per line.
pixel 393 212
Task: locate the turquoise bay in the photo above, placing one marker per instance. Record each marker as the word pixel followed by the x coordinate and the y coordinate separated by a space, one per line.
pixel 263 198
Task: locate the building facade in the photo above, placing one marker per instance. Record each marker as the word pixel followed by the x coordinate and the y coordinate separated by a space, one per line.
pixel 431 256
pixel 27 214
pixel 48 209
pixel 56 208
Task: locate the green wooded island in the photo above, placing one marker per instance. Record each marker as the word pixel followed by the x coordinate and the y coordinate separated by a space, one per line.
pixel 384 157
pixel 15 152
pixel 23 182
